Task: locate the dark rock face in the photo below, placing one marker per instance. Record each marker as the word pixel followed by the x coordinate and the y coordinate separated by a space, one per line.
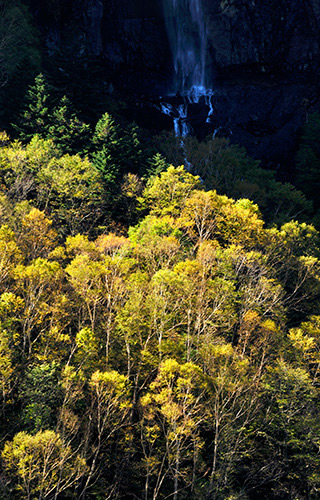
pixel 263 117
pixel 264 35
pixel 260 35
pixel 266 56
pixel 129 37
pixel 263 58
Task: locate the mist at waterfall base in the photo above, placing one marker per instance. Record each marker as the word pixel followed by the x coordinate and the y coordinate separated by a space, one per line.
pixel 187 33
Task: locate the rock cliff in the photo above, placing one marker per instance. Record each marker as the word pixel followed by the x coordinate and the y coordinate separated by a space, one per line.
pixel 264 35
pixel 263 58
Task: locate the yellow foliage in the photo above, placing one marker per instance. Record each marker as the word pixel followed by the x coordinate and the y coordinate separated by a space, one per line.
pixel 301 341
pixel 37 236
pixel 42 463
pixel 167 194
pixel 111 243
pixel 80 244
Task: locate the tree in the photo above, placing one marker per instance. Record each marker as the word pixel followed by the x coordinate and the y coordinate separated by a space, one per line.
pixel 40 396
pixel 292 255
pixel 308 158
pixel 228 169
pixel 20 166
pixel 305 341
pixel 99 283
pixel 165 195
pixel 156 241
pixel 173 411
pixel 207 215
pixel 37 237
pixel 116 152
pixel 35 118
pixel 57 122
pixel 232 403
pixel 108 145
pixel 68 132
pixel 289 430
pixel 109 409
pixel 41 466
pixel 87 278
pixel 70 187
pixel 157 164
pixel 38 283
pixel 6 364
pixel 10 255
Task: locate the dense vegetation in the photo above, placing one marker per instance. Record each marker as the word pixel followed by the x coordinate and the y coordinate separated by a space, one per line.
pixel 159 326
pixel 178 357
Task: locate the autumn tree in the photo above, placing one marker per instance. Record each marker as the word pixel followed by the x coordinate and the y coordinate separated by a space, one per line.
pixel 173 411
pixel 109 408
pixel 70 188
pixel 166 194
pixel 41 465
pixel 38 283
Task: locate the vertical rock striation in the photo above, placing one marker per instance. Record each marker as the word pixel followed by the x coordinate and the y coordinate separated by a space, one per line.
pixel 262 57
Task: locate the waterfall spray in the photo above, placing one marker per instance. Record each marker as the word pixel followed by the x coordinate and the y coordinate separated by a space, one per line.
pixel 187 32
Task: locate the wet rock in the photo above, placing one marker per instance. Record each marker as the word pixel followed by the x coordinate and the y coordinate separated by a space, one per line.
pixel 263 61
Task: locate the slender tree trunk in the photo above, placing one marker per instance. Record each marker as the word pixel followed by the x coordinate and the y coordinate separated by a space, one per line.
pixel 176 474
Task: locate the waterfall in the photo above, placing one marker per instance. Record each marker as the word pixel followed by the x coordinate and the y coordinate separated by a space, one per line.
pixel 187 32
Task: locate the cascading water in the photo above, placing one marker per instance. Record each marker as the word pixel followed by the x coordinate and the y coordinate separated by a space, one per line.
pixel 187 32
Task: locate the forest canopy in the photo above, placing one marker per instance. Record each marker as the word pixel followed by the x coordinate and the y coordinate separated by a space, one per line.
pixel 159 325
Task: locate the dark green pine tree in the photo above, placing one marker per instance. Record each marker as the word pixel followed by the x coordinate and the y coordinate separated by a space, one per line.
pixel 108 147
pixel 68 132
pixel 35 118
pixel 308 159
pixel 132 151
pixel 117 150
pixel 157 164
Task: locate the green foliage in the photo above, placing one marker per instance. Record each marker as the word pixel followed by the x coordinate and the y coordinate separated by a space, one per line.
pixel 40 395
pixel 36 115
pixel 173 411
pixel 292 426
pixel 151 227
pixel 308 159
pixel 228 169
pixel 184 357
pixel 67 131
pixel 117 151
pixel 6 363
pixel 71 187
pixel 157 165
pixel 57 122
pixel 165 195
pixel 42 465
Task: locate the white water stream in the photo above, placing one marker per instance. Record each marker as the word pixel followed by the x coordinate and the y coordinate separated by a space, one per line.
pixel 187 32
